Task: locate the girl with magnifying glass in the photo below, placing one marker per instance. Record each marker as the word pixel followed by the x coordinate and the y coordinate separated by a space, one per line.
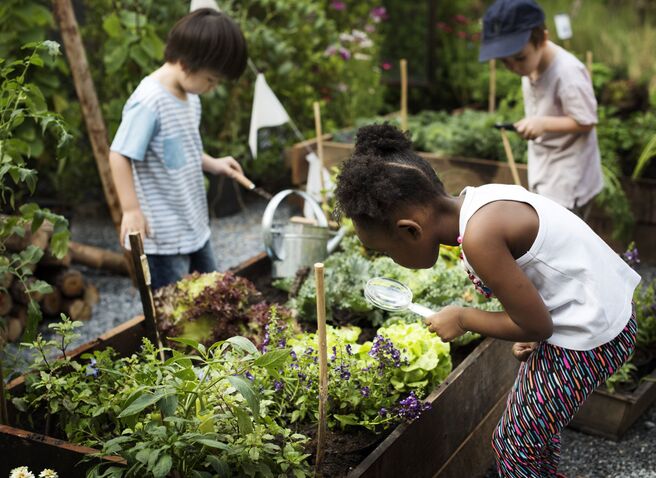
pixel 567 297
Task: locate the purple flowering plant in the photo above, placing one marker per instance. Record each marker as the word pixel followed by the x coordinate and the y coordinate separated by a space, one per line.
pixel 363 380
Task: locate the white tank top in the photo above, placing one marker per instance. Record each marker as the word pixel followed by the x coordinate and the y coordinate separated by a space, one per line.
pixel 586 286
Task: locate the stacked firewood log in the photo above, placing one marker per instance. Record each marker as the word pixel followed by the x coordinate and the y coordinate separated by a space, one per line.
pixel 71 293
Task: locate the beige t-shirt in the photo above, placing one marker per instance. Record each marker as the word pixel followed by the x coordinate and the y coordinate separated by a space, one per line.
pixel 565 167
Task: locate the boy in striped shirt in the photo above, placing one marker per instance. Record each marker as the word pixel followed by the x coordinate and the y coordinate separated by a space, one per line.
pixel 157 158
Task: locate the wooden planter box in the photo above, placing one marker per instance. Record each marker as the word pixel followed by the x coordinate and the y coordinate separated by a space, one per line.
pixel 458 172
pixel 611 414
pixel 452 439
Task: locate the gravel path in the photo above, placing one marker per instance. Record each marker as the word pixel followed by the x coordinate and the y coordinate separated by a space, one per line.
pixel 236 238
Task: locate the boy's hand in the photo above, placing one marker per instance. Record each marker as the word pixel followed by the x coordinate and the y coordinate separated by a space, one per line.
pixel 531 127
pixel 226 166
pixel 133 221
pixel 446 323
pixel 523 350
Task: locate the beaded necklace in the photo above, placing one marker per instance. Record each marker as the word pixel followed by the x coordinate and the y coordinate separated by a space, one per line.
pixel 478 283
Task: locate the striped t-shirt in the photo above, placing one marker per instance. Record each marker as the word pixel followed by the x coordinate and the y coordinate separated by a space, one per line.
pixel 160 134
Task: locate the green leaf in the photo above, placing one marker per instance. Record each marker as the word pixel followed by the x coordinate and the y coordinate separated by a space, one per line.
pixel 59 243
pixel 142 402
pixel 243 343
pixel 168 405
pixel 243 421
pixel 112 25
pixel 246 390
pixel 273 359
pixel 161 470
pixel 219 466
pixel 212 443
pixel 350 419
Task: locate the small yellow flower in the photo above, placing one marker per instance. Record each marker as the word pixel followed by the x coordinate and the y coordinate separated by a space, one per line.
pixel 21 472
pixel 48 473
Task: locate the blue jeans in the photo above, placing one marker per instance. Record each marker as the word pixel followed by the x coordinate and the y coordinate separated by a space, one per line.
pixel 169 268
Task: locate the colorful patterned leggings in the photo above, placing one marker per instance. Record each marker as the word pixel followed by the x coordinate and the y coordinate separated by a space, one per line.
pixel 550 387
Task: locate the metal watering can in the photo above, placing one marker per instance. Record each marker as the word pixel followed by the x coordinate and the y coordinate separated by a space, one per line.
pixel 292 246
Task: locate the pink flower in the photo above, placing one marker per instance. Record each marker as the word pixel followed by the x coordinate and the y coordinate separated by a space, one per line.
pixel 369 28
pixel 337 5
pixel 386 66
pixel 344 53
pixel 463 20
pixel 378 14
pixel 330 51
pixel 462 35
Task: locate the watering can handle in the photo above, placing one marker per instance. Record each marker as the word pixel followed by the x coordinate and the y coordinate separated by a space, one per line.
pixel 269 212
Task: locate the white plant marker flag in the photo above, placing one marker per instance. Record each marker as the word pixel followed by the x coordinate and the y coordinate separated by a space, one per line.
pixel 313 187
pixel 196 4
pixel 267 111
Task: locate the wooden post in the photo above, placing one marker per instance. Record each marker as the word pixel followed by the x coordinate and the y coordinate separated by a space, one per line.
pixel 86 93
pixel 588 62
pixel 492 98
pixel 323 365
pixel 404 94
pixel 317 127
pixel 142 273
pixel 511 158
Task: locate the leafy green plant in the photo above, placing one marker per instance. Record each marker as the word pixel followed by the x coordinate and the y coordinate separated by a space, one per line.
pixel 623 375
pixel 21 102
pixel 193 415
pixel 211 307
pixel 373 385
pixel 348 270
pixel 645 158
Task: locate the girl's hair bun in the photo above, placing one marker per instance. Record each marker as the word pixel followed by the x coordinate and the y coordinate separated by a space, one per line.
pixel 381 140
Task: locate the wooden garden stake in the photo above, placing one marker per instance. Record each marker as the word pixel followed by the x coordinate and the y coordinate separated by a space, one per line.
pixel 511 158
pixel 492 98
pixel 404 94
pixel 323 364
pixel 317 127
pixel 142 273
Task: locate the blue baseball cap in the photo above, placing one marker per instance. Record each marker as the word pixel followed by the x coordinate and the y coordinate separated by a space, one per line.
pixel 507 26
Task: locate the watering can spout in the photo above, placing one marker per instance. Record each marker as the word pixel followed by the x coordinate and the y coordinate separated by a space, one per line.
pixel 334 242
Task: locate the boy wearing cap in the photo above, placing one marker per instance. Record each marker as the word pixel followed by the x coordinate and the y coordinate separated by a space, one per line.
pixel 564 163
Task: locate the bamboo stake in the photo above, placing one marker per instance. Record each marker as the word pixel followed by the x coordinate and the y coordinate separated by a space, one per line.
pixel 511 158
pixel 323 364
pixel 404 95
pixel 588 62
pixel 317 127
pixel 492 98
pixel 142 273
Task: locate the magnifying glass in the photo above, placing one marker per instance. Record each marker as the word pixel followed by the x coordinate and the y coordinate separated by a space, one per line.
pixel 392 295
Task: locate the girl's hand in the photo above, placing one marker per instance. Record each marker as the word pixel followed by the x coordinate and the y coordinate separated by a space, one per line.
pixel 523 350
pixel 447 323
pixel 531 127
pixel 227 166
pixel 133 221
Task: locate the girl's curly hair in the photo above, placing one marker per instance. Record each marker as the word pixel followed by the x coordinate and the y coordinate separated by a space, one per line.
pixel 382 174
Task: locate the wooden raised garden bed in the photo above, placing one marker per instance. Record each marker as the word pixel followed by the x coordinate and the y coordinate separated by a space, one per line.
pixel 611 414
pixel 458 172
pixel 451 439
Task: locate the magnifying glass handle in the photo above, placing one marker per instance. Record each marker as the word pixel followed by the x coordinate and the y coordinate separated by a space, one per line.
pixel 421 310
